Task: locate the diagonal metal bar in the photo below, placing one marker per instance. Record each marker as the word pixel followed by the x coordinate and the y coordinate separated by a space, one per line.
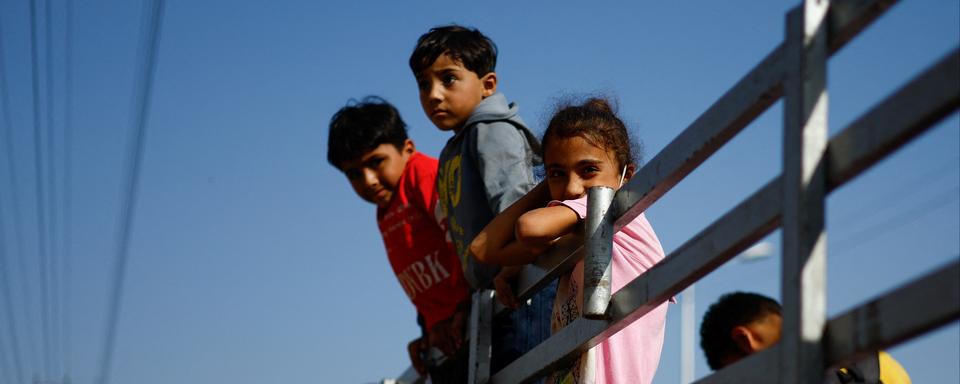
pixel 924 101
pixel 758 368
pixel 752 95
pixel 754 218
pixel 550 265
pixel 743 103
pixel 865 329
pixel 934 300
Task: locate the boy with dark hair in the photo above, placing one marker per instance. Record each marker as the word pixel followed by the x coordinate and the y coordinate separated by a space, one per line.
pixel 743 323
pixel 368 143
pixel 485 167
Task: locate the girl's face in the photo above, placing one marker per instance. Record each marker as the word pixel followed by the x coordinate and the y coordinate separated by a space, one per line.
pixel 573 164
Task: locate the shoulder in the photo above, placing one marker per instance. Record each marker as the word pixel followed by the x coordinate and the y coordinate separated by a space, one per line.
pixel 420 169
pixel 420 162
pixel 891 372
pixel 641 229
pixel 499 136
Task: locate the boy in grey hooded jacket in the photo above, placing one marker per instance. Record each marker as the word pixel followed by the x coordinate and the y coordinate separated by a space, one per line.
pixel 484 168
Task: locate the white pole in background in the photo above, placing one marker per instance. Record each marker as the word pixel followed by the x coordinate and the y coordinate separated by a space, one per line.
pixel 687 322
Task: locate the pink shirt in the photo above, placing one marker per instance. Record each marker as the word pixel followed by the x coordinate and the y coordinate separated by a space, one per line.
pixel 631 355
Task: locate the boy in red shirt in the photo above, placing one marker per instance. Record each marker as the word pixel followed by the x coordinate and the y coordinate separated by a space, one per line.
pixel 368 143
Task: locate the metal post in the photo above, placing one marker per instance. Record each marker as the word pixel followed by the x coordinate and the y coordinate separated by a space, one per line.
pixel 804 191
pixel 598 230
pixel 481 327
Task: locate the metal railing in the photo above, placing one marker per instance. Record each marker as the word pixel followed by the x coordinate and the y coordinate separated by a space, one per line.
pixel 813 167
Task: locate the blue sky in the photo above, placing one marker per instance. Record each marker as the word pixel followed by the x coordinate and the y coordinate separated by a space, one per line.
pixel 251 259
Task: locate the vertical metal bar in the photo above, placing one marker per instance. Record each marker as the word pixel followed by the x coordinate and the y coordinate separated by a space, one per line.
pixel 598 230
pixel 481 326
pixel 804 187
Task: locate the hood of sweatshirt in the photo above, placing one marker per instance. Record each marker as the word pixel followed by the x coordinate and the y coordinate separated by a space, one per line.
pixel 494 107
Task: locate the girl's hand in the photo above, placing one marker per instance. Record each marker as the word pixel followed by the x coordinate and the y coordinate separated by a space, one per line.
pixel 503 283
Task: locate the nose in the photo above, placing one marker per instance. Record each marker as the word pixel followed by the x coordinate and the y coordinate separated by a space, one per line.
pixel 573 189
pixel 370 178
pixel 434 93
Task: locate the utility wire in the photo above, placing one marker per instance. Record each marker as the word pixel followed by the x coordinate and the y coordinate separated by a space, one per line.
pixel 25 291
pixel 8 307
pixel 887 201
pixel 860 237
pixel 4 364
pixel 67 184
pixel 41 211
pixel 148 60
pixel 52 214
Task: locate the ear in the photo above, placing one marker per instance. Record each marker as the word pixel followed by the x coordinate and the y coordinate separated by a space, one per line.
pixel 628 172
pixel 408 147
pixel 489 83
pixel 744 339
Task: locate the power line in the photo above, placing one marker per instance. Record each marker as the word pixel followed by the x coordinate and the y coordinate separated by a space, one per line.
pixel 4 364
pixel 67 183
pixel 884 202
pixel 148 55
pixel 17 215
pixel 41 211
pixel 52 262
pixel 8 306
pixel 862 236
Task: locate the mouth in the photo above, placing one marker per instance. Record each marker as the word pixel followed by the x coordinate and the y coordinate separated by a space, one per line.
pixel 380 194
pixel 439 113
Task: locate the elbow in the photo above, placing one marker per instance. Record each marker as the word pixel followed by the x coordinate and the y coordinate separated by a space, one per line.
pixel 478 249
pixel 531 233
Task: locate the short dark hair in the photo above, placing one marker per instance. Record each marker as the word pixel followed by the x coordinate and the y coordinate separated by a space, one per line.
pixel 732 310
pixel 467 45
pixel 360 127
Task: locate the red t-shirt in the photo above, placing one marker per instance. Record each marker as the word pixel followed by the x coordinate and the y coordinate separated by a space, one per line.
pixel 417 246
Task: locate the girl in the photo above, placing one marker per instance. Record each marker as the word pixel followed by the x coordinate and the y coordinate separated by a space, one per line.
pixel 584 145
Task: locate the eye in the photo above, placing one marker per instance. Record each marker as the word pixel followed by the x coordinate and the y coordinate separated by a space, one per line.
pixel 423 85
pixel 591 169
pixel 375 162
pixel 448 79
pixel 554 173
pixel 352 174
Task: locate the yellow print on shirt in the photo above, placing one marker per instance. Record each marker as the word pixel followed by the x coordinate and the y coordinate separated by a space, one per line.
pixel 452 177
pixel 448 188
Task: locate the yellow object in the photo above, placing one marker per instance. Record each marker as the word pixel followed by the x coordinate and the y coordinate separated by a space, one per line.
pixel 891 372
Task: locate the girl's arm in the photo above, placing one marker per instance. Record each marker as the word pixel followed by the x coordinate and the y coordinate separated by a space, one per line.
pixel 496 244
pixel 540 228
pixel 521 232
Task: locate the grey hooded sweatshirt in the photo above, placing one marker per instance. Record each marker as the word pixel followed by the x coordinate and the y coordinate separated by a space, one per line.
pixel 484 168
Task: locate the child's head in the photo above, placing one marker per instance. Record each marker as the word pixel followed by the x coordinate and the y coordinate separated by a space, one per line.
pixel 368 143
pixel 454 68
pixel 738 325
pixel 584 146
